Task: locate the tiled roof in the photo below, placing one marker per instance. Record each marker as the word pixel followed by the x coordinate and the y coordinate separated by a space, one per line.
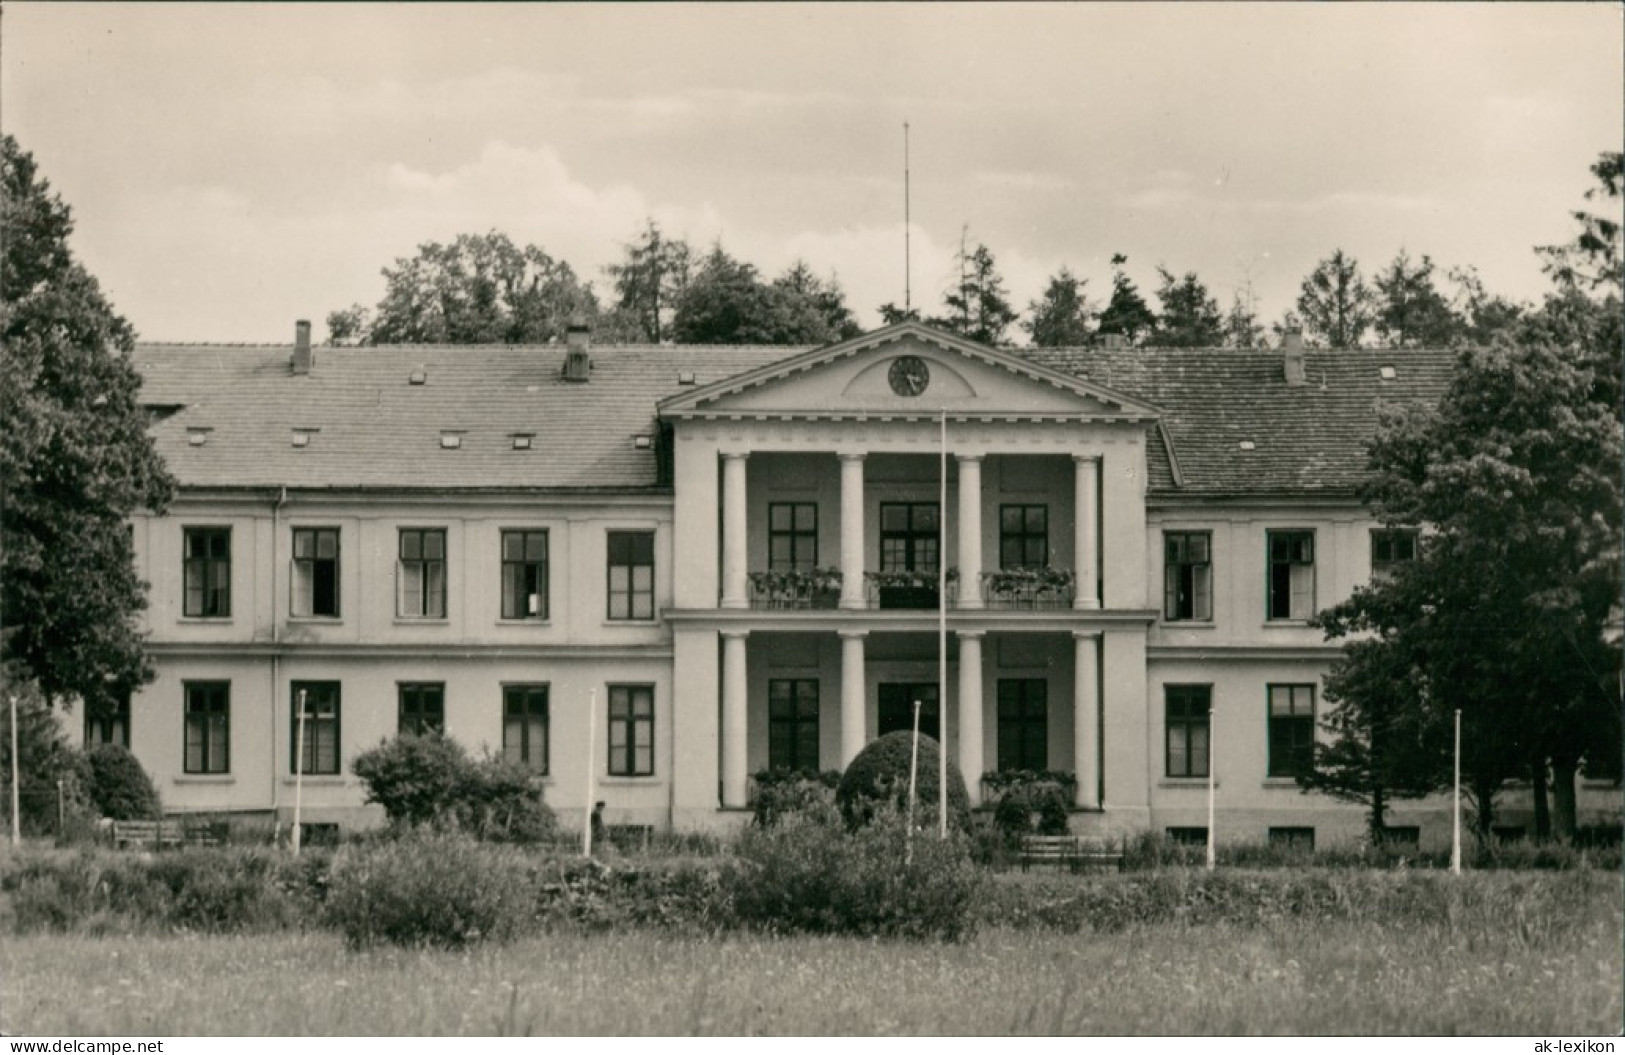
pixel 1308 440
pixel 376 429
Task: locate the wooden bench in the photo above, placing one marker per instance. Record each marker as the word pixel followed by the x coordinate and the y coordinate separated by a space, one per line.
pixel 158 835
pixel 1074 851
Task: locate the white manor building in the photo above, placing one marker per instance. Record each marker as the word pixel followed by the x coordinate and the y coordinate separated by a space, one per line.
pixel 489 540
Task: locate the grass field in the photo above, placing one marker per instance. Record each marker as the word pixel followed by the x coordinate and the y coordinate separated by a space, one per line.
pixel 1169 979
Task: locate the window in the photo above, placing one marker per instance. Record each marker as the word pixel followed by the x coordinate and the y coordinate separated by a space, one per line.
pixel 792 723
pixel 631 575
pixel 208 727
pixel 1188 836
pixel 631 730
pixel 1187 576
pixel 1187 709
pixel 108 721
pixel 1389 549
pixel 1024 724
pixel 524 575
pixel 1023 536
pixel 909 536
pixel 422 707
pixel 208 573
pixel 897 708
pixel 525 726
pixel 318 701
pixel 1293 839
pixel 1292 574
pixel 316 572
pixel 1292 729
pixel 792 536
pixel 422 578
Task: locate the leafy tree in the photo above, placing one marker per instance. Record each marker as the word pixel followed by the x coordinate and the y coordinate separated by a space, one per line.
pixel 649 280
pixel 75 457
pixel 1410 310
pixel 826 296
pixel 1335 303
pixel 977 306
pixel 1593 260
pixel 1190 316
pixel 1126 314
pixel 727 303
pixel 1481 315
pixel 1061 318
pixel 1241 326
pixel 44 756
pixel 480 289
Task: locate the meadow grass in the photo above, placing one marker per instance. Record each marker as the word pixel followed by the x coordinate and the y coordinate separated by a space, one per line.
pixel 1289 977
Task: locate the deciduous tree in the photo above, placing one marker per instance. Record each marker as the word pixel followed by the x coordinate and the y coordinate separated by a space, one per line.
pixel 727 303
pixel 648 282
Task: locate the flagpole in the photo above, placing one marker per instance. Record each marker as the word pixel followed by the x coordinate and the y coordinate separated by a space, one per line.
pixel 592 745
pixel 1212 780
pixel 942 640
pixel 913 766
pixel 1455 806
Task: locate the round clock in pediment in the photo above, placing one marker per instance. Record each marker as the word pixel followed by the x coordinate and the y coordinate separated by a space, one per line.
pixel 909 375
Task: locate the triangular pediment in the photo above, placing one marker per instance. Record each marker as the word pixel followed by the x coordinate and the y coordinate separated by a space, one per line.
pixel 907 370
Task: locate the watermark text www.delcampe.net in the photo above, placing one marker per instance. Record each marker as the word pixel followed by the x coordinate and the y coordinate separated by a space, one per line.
pixel 88 1047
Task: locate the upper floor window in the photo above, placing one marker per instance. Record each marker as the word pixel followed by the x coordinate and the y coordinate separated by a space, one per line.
pixel 208 572
pixel 1391 547
pixel 208 727
pixel 1024 536
pixel 792 536
pixel 792 723
pixel 910 536
pixel 631 730
pixel 524 575
pixel 1291 574
pixel 1292 729
pixel 422 578
pixel 525 726
pixel 631 574
pixel 1023 723
pixel 316 572
pixel 1187 576
pixel 422 708
pixel 1186 727
pixel 107 721
pixel 315 738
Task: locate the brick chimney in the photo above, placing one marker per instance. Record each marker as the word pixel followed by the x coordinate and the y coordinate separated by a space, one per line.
pixel 1113 340
pixel 303 357
pixel 1292 349
pixel 578 345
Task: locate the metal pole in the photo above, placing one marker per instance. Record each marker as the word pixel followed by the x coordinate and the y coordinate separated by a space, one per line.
pixel 908 253
pixel 16 781
pixel 1455 806
pixel 299 775
pixel 1212 783
pixel 592 744
pixel 942 640
pixel 913 766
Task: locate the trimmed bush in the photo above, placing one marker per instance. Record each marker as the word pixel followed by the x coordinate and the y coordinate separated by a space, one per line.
pixel 878 777
pixel 872 881
pixel 117 785
pixel 416 779
pixel 441 890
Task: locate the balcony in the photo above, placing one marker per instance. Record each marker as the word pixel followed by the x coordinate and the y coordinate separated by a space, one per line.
pixel 795 590
pixel 1008 589
pixel 1029 588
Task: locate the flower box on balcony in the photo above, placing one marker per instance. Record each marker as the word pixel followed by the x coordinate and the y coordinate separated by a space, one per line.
pixel 1028 587
pixel 819 588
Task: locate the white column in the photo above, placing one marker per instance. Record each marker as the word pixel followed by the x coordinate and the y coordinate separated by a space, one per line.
pixel 854 714
pixel 970 712
pixel 733 531
pixel 970 534
pixel 734 688
pixel 1085 531
pixel 852 593
pixel 1086 717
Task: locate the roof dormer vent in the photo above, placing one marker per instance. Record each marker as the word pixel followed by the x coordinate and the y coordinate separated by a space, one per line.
pixel 419 376
pixel 450 441
pixel 197 435
pixel 685 377
pixel 1388 373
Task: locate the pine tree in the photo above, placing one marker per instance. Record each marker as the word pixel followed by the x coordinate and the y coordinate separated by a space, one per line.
pixel 1060 319
pixel 1126 314
pixel 1410 310
pixel 977 305
pixel 1190 316
pixel 1335 303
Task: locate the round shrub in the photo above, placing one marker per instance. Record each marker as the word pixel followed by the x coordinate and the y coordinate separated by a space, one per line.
pixel 416 779
pixel 447 891
pixel 117 785
pixel 879 775
pixel 502 802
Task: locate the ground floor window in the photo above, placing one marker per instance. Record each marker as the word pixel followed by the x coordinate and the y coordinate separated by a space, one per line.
pixel 422 708
pixel 897 708
pixel 1187 724
pixel 208 727
pixel 1024 723
pixel 792 723
pixel 318 754
pixel 1291 729
pixel 525 726
pixel 108 722
pixel 631 730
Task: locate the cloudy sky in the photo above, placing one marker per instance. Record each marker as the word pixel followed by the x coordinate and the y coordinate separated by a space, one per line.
pixel 233 168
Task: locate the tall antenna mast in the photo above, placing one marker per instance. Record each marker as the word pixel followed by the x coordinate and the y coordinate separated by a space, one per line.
pixel 908 256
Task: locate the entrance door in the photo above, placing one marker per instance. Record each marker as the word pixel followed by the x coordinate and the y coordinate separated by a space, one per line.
pixel 897 708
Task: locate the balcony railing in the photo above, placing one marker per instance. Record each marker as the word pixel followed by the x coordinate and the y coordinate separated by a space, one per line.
pixel 790 590
pixel 1010 589
pixel 1018 588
